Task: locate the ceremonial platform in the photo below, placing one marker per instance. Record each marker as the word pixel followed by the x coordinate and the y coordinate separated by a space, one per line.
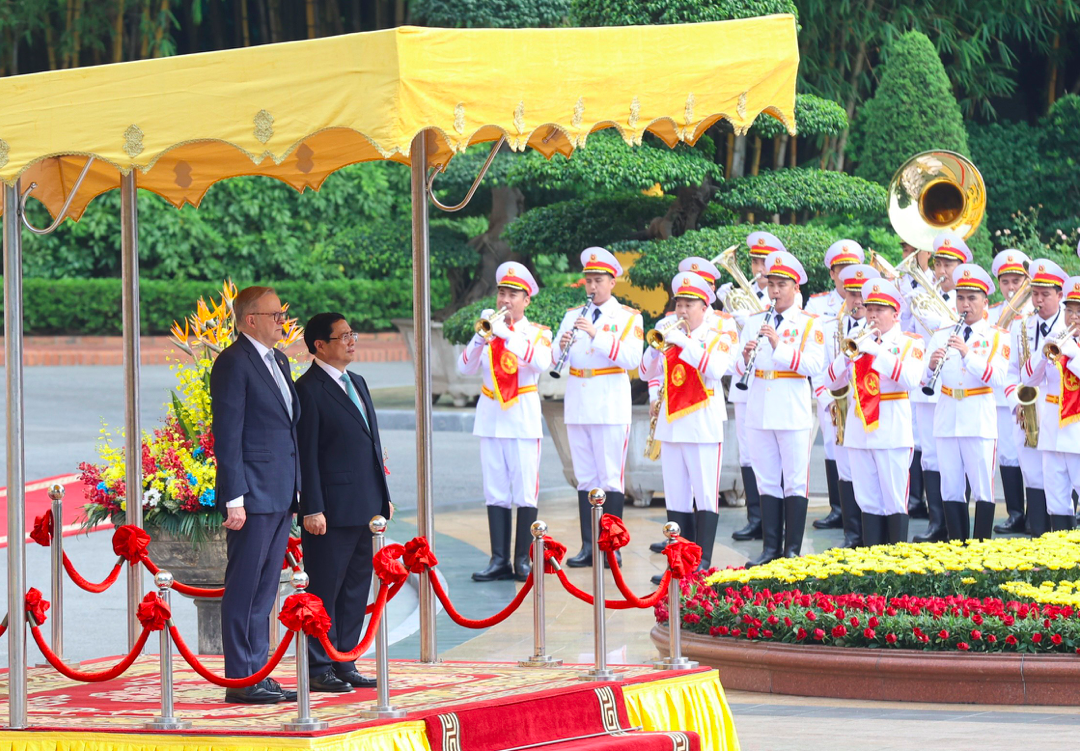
pixel 450 705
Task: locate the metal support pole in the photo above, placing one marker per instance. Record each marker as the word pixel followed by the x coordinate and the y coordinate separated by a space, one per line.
pixel 382 708
pixel 163 580
pixel 540 658
pixel 421 267
pixel 16 458
pixel 600 671
pixel 129 266
pixel 675 660
pixel 303 721
pixel 56 495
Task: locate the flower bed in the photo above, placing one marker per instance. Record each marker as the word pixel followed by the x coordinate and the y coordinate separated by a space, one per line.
pixel 1003 595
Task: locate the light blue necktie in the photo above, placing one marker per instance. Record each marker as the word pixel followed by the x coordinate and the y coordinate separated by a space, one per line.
pixel 279 379
pixel 350 389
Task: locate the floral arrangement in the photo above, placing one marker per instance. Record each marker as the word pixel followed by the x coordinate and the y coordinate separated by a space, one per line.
pixel 179 467
pixel 944 596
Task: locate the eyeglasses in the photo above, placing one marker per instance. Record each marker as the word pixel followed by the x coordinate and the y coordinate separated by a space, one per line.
pixel 279 317
pixel 352 336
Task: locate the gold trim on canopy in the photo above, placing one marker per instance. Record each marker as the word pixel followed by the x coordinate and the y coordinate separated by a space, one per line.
pixel 298 111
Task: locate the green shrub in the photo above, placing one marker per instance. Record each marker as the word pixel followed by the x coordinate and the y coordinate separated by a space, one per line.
pixel 489 13
pixel 814 116
pixel 913 110
pixel 1007 155
pixel 814 190
pixel 373 251
pixel 633 12
pixel 547 308
pixel 1058 168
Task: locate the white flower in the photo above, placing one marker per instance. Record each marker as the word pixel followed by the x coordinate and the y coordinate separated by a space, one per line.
pixel 151 498
pixel 1007 232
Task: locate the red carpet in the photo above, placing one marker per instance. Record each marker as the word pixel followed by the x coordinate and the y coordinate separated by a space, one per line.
pixel 37 503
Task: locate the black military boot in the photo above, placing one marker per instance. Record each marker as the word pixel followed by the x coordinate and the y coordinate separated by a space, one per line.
pixel 705 528
pixel 897 528
pixel 523 539
pixel 916 504
pixel 984 520
pixel 499 522
pixel 658 547
pixel 614 505
pixel 956 519
pixel 584 556
pixel 1061 522
pixel 1037 521
pixel 875 529
pixel 1012 485
pixel 936 531
pixel 835 517
pixel 772 530
pixel 752 530
pixel 853 516
pixel 794 524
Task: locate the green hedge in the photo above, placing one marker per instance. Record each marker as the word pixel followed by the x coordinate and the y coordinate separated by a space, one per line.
pixel 815 190
pixel 92 306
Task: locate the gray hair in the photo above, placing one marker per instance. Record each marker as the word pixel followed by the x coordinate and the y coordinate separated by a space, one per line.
pixel 245 301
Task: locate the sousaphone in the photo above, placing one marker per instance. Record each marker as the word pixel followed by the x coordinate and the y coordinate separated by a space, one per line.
pixel 935 191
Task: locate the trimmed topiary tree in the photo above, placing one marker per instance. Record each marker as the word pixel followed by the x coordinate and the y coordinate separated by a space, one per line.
pixel 804 190
pixel 913 110
pixel 641 12
pixel 1058 169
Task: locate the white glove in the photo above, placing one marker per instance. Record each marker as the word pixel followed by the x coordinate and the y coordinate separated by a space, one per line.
pixel 677 338
pixel 722 292
pixel 1070 349
pixel 869 346
pixel 500 329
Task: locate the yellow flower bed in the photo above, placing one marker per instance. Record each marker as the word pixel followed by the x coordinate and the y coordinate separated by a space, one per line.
pixel 1047 593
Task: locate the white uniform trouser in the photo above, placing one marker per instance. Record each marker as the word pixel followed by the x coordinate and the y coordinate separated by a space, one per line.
pixel 915 429
pixel 1008 456
pixel 691 470
pixel 881 479
pixel 825 421
pixel 777 454
pixel 843 462
pixel 511 471
pixel 599 455
pixel 928 444
pixel 740 433
pixel 973 458
pixel 1031 462
pixel 1061 473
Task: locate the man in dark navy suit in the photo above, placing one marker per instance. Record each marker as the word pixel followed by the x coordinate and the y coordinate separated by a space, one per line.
pixel 255 412
pixel 341 461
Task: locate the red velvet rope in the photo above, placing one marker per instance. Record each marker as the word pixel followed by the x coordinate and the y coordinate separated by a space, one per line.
pixel 185 589
pixel 613 533
pixel 586 597
pixel 393 592
pixel 499 617
pixel 251 680
pixel 3 626
pixel 89 676
pixel 369 636
pixel 637 602
pixel 78 580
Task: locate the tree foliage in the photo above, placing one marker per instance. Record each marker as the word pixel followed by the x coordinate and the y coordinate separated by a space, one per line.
pixel 490 13
pixel 1058 168
pixel 814 116
pixel 913 110
pixel 813 190
pixel 641 12
pixel 1007 155
pixel 547 308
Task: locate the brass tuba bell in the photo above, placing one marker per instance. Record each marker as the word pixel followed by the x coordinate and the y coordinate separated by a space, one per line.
pixel 934 191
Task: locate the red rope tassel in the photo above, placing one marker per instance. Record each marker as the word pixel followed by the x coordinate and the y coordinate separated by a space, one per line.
pixel 365 643
pixel 185 589
pixel 499 617
pixel 89 676
pixel 78 580
pixel 620 582
pixel 251 680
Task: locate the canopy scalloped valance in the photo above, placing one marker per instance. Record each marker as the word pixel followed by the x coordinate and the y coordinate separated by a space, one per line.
pixel 301 110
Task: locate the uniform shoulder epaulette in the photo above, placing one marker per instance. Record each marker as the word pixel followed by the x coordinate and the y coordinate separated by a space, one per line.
pixel 579 307
pixel 542 327
pixel 632 311
pixel 819 294
pixel 812 315
pixel 912 334
pixel 723 315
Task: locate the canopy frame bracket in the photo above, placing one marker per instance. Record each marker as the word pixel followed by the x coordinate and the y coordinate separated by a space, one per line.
pixel 472 189
pixel 63 210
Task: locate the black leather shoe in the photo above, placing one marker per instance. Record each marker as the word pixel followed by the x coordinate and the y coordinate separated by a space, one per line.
pixel 835 520
pixel 751 531
pixel 354 678
pixel 252 695
pixel 1013 525
pixel 583 558
pixel 271 685
pixel 658 547
pixel 657 579
pixel 329 683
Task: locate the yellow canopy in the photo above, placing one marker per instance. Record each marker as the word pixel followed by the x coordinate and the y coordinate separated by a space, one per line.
pixel 301 110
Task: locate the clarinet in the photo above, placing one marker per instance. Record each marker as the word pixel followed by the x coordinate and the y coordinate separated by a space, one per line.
pixel 928 389
pixel 744 382
pixel 556 372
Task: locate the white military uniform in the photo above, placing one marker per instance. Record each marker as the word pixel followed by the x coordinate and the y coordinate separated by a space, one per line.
pixel 880 458
pixel 737 396
pixel 826 305
pixel 597 408
pixel 923 405
pixel 965 418
pixel 1059 435
pixel 510 437
pixel 1008 455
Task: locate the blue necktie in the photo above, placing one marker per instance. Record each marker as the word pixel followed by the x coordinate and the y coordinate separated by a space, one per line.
pixel 350 389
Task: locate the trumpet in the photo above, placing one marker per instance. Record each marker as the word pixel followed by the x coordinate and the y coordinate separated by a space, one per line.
pixel 744 382
pixel 483 325
pixel 850 345
pixel 1052 349
pixel 928 389
pixel 556 372
pixel 658 336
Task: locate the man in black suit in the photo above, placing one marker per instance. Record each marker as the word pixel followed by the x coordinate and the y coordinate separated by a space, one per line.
pixel 255 412
pixel 341 460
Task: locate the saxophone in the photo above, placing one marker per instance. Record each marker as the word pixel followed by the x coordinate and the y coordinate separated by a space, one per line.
pixel 1028 396
pixel 842 395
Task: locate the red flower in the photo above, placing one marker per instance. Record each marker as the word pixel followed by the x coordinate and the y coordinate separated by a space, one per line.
pixel 773 620
pixel 736 632
pixel 976 635
pixel 810 615
pixel 787 621
pixel 1056 639
pixel 977 619
pixel 751 633
pixel 839 630
pixel 767 633
pixel 943 634
pixel 801 634
pixel 819 634
pixel 854 622
pixel 890 611
pixel 1010 640
pixel 714 630
pixel 890 638
pixel 963 646
pixel 869 633
pixel 1036 638
pixel 1008 620
pixel 723 630
pixel 991 639
pixel 873 622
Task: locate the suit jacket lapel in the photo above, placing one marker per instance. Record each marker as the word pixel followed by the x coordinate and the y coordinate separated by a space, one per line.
pixel 365 397
pixel 338 394
pixel 260 367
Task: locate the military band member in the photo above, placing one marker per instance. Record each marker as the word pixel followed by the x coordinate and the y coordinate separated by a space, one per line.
pixel 950 251
pixel 1028 337
pixel 1010 268
pixel 691 414
pixel 605 341
pixel 760 244
pixel 852 279
pixel 878 436
pixel 1058 378
pixel 916 491
pixel 779 356
pixel 965 419
pixel 826 305
pixel 508 420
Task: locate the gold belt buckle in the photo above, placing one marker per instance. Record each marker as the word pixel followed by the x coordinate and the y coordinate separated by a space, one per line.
pixel 768 375
pixel 960 394
pixel 587 372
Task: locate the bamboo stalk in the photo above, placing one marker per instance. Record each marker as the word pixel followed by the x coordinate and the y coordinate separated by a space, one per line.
pixel 118 33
